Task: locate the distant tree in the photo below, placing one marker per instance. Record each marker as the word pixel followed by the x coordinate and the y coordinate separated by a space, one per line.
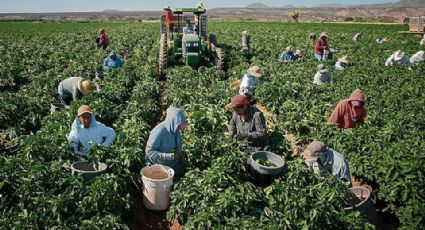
pixel 294 15
pixel 348 19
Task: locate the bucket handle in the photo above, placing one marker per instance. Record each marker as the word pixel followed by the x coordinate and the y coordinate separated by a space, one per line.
pixel 373 197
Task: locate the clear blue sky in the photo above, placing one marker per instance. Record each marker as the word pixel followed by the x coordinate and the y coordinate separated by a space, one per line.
pixel 36 6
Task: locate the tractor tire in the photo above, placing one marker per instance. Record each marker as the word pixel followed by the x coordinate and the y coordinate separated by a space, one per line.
pixel 163 55
pixel 213 42
pixel 219 59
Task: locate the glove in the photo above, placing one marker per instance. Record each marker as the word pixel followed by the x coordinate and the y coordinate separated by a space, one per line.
pixel 241 136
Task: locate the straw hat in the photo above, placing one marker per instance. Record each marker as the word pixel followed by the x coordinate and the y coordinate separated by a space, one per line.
pixel 288 49
pixel 85 87
pixel 298 52
pixel 167 8
pixel 344 59
pixel 245 32
pixel 84 109
pixel 255 71
pixel 398 55
pixel 324 34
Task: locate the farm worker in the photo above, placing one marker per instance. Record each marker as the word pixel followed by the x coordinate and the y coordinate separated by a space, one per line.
pixel 318 157
pixel 86 131
pixel 188 29
pixel 342 63
pixel 342 37
pixel 103 39
pixel 312 36
pixel 357 36
pixel 298 56
pixel 417 57
pixel 169 18
pixel 398 58
pixel 112 61
pixel 246 40
pixel 423 41
pixel 287 55
pixel 321 49
pixel 249 82
pixel 247 123
pixel 351 112
pixel 381 40
pixel 322 75
pixel 164 145
pixel 74 88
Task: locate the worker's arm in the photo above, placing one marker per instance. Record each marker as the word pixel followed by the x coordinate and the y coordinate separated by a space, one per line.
pixel 73 138
pixel 108 135
pixel 260 127
pixel 232 127
pixel 337 116
pixel 153 145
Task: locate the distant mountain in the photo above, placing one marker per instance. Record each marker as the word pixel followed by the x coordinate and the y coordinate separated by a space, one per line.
pixel 257 5
pixel 407 3
pixel 330 5
pixel 111 11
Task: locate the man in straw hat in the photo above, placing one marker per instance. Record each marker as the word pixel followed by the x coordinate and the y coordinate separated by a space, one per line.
pixel 351 112
pixel 246 41
pixel 74 88
pixel 320 158
pixel 249 82
pixel 398 58
pixel 321 49
pixel 86 131
pixel 165 142
pixel 298 55
pixel 113 61
pixel 342 63
pixel 287 55
pixel 247 123
pixel 322 75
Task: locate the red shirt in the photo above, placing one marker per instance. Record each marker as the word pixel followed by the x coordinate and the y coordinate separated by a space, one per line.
pixel 321 43
pixel 168 16
pixel 346 116
pixel 104 40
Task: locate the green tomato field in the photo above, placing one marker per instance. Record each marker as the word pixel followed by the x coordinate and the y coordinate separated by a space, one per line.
pixel 38 191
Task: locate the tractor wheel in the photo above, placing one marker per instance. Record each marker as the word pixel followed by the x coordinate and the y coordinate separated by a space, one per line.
pixel 213 42
pixel 163 54
pixel 219 59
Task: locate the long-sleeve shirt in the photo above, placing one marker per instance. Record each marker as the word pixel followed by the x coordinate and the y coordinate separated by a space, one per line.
pixel 338 66
pixel 320 78
pixel 320 46
pixel 253 124
pixel 417 57
pixel 248 84
pixel 81 139
pixel 165 140
pixel 404 61
pixel 336 163
pixel 246 40
pixel 104 39
pixel 287 56
pixel 69 88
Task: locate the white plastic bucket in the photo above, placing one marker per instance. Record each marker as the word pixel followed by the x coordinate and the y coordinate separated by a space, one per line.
pixel 157 181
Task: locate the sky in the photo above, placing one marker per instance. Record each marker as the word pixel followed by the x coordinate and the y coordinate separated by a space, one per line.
pixel 41 6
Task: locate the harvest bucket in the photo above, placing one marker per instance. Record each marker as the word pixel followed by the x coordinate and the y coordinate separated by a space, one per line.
pixel 87 170
pixel 157 181
pixel 264 175
pixel 364 202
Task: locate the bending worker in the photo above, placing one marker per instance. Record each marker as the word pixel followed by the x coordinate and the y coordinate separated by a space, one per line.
pixel 86 131
pixel 103 39
pixel 165 144
pixel 113 61
pixel 351 112
pixel 321 49
pixel 246 40
pixel 318 157
pixel 247 123
pixel 74 88
pixel 249 82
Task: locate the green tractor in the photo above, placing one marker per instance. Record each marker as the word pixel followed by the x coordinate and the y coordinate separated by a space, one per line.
pixel 185 39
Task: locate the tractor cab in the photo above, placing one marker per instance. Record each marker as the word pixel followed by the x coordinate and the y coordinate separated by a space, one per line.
pixel 185 39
